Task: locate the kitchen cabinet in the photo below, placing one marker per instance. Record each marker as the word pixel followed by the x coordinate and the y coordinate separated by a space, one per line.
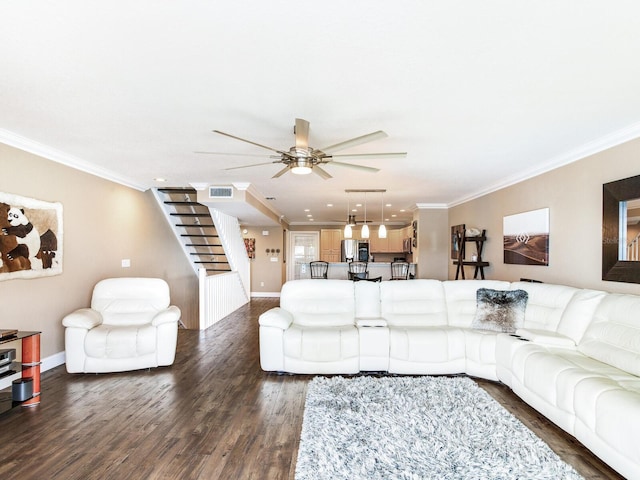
pixel 395 241
pixel 378 245
pixel 330 239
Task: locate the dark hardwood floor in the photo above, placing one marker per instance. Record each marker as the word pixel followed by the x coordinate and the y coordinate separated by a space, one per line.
pixel 212 415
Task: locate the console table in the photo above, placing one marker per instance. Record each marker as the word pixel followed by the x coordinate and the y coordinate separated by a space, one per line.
pixel 30 365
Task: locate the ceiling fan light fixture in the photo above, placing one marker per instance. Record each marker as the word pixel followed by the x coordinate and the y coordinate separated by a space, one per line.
pixel 301 166
pixel 382 231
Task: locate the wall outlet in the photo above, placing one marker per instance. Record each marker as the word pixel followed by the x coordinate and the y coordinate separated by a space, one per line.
pixel 274 259
pixel 262 284
pixel 126 263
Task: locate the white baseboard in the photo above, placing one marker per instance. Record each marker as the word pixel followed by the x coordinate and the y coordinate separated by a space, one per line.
pixel 46 364
pixel 265 294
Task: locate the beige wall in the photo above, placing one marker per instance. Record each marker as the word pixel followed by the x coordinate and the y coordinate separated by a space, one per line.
pixel 432 251
pixel 266 275
pixel 573 194
pixel 103 223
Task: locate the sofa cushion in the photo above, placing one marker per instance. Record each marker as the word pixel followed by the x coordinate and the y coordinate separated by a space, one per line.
pixel 462 300
pixel 321 344
pixel 367 299
pixel 500 310
pixel 579 312
pixel 613 337
pixel 322 303
pixel 545 304
pixel 416 302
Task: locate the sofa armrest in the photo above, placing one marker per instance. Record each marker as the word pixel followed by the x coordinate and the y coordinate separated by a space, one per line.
pixel 371 322
pixel 545 337
pixel 170 314
pixel 276 317
pixel 86 318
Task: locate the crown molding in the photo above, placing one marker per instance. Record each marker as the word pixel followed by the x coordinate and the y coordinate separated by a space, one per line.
pixel 27 145
pixel 431 206
pixel 598 145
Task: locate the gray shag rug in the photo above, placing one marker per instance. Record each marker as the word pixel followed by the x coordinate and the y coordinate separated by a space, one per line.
pixel 413 428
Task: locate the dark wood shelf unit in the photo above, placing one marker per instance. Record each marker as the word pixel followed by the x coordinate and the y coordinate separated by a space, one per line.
pixel 29 367
pixel 479 264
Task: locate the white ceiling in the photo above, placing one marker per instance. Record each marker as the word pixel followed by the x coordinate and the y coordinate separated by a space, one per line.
pixel 480 94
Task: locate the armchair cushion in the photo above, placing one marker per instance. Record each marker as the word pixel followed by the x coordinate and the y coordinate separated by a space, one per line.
pixel 83 318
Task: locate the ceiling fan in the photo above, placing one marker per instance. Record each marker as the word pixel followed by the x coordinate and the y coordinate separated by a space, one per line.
pixel 301 159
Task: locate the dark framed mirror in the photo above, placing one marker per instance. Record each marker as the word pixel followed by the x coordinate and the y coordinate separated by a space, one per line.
pixel 617 264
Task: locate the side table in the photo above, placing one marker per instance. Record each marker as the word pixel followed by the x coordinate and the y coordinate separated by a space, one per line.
pixel 30 361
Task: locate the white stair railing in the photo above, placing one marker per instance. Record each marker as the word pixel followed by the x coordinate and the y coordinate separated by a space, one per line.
pixel 222 294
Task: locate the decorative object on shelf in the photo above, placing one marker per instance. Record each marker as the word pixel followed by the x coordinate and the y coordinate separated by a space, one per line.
pixel 30 237
pixel 250 245
pixel 620 200
pixel 414 226
pixel 526 238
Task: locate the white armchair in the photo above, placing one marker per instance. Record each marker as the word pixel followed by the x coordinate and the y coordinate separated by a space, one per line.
pixel 129 326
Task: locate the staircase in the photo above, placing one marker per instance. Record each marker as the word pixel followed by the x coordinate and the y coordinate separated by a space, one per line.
pixel 194 227
pixel 223 279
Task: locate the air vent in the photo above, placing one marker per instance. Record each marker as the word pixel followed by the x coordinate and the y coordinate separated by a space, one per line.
pixel 220 192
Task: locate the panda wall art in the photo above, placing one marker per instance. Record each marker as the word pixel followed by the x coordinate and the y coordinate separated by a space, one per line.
pixel 30 237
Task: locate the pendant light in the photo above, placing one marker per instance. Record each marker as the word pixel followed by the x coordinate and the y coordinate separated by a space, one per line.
pixel 365 227
pixel 348 232
pixel 382 231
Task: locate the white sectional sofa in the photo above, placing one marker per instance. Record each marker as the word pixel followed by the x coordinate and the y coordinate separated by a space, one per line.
pixel 575 358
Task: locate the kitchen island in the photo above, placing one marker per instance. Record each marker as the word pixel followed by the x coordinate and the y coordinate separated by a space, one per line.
pixel 339 271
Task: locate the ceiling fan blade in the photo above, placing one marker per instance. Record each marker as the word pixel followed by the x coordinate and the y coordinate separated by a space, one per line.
pixel 254 143
pixel 281 172
pixel 370 137
pixel 234 154
pixel 247 166
pixel 301 131
pixel 357 167
pixel 323 173
pixel 371 156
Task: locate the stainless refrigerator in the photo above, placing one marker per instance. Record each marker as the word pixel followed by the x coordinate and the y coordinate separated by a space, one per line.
pixel 354 250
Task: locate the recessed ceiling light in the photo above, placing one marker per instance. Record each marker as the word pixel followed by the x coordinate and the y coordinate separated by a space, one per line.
pixel 309 215
pixel 306 210
pixel 160 179
pixel 394 215
pixel 354 209
pixel 388 205
pixel 329 204
pixel 358 204
pixel 402 210
pixel 311 220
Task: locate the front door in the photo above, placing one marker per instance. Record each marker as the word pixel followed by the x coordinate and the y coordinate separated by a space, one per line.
pixel 304 247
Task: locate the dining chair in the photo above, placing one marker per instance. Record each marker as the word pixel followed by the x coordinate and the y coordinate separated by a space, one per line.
pixel 358 269
pixel 319 269
pixel 399 270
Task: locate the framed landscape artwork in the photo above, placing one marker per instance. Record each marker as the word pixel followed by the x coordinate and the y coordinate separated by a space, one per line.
pixel 526 238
